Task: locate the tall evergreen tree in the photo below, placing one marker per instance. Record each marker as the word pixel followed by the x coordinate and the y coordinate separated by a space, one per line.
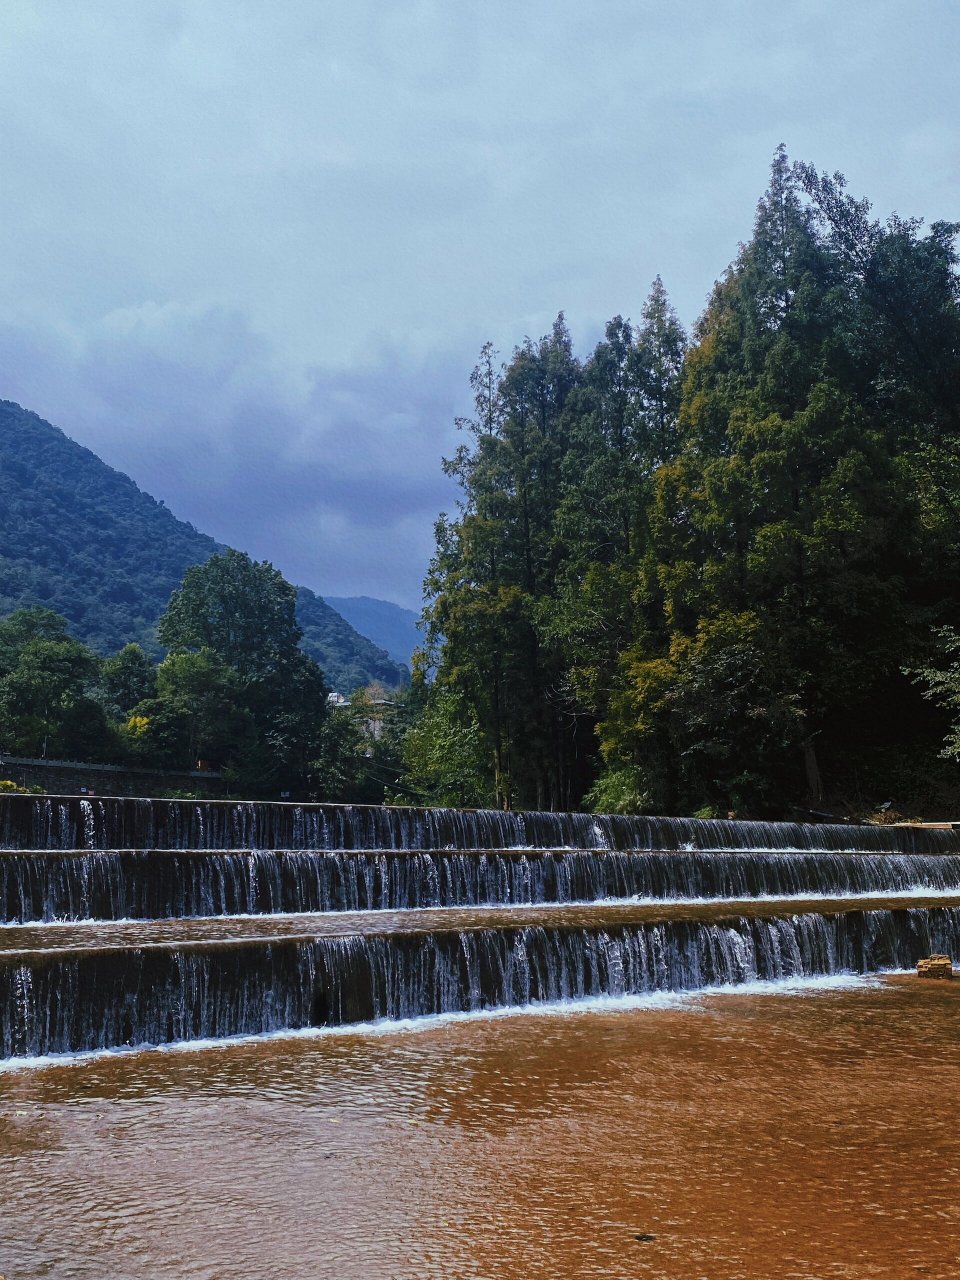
pixel 496 566
pixel 720 557
pixel 785 532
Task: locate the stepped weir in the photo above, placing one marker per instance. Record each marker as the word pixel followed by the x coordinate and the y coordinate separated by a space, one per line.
pixel 135 922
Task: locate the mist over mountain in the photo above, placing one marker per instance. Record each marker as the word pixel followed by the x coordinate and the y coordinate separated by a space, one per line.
pixel 82 539
pixel 388 625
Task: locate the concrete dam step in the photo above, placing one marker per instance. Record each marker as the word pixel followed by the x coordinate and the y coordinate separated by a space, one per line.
pixel 49 885
pixel 144 922
pixel 77 999
pixel 20 941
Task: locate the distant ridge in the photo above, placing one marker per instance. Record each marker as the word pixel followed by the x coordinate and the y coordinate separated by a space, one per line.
pixel 388 625
pixel 83 539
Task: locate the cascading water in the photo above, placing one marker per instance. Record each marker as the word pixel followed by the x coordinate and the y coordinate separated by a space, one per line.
pixel 166 884
pixel 177 862
pixel 69 1001
pixel 67 823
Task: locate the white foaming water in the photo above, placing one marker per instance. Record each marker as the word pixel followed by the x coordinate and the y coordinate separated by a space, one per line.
pixel 691 1001
pixel 907 895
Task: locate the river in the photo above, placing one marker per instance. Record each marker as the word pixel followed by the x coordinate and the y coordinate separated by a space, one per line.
pixel 747 1135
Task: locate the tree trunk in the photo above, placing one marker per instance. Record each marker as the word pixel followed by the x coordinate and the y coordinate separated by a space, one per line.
pixel 814 782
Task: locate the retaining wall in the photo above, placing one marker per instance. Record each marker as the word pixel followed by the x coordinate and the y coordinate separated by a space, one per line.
pixel 77 778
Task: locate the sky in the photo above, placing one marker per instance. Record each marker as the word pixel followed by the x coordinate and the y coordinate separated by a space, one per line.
pixel 249 251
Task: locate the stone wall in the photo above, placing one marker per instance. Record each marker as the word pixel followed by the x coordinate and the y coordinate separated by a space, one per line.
pixel 75 778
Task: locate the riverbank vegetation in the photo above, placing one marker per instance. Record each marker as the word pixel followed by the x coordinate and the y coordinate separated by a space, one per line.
pixel 234 689
pixel 235 692
pixel 711 572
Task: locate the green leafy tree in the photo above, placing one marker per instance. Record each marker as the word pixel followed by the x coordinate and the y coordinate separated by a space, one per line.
pixel 444 755
pixel 242 613
pixel 241 609
pixel 494 573
pixel 786 507
pixel 941 684
pixel 338 770
pixel 289 709
pixel 24 625
pixel 359 760
pixel 47 707
pixel 126 679
pixel 625 427
pixel 718 556
pixel 195 714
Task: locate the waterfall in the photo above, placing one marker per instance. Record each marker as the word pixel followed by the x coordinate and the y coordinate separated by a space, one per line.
pixel 71 1002
pixel 27 822
pixel 166 884
pixel 166 862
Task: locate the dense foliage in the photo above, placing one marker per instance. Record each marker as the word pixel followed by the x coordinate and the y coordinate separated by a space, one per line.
pixel 48 690
pixel 81 539
pixel 233 638
pixel 693 576
pixel 235 692
pixel 687 574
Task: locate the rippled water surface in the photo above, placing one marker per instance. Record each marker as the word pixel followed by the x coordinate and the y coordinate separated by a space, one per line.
pixel 750 1136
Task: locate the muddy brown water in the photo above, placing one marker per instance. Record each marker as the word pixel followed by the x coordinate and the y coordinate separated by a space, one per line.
pixel 18 940
pixel 730 1137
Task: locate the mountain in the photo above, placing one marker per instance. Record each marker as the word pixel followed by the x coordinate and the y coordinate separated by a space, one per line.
pixel 84 540
pixel 388 625
pixel 348 658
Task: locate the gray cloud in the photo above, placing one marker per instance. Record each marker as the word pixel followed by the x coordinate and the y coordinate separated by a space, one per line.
pixel 249 252
pixel 334 475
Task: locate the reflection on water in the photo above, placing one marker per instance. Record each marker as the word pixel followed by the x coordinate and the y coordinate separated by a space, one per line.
pixel 750 1136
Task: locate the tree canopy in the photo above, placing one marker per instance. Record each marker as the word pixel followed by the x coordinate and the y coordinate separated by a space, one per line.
pixel 235 691
pixel 241 609
pixel 702 572
pixel 689 575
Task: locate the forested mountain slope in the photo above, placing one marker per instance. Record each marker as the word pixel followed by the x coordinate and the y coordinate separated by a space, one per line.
pixel 84 540
pixel 387 624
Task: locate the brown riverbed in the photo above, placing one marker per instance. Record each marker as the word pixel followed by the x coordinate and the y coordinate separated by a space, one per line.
pixel 753 1137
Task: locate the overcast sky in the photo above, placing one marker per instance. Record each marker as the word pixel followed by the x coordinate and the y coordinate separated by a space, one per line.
pixel 249 251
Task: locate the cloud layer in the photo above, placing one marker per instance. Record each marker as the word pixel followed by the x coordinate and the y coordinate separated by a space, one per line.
pixel 249 252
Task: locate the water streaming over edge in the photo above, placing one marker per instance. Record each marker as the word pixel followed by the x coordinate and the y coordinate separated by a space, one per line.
pixel 28 822
pixel 76 858
pixel 68 1002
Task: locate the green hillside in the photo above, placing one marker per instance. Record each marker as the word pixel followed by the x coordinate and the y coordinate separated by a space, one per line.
pixel 84 540
pixel 387 624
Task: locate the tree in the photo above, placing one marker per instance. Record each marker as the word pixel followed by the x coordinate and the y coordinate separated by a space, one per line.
pixel 127 678
pixel 241 613
pixel 289 709
pixel 625 427
pixel 718 557
pixel 338 770
pixel 787 539
pixel 494 572
pixel 195 713
pixel 444 755
pixel 243 610
pixel 656 366
pixel 24 625
pixel 942 683
pixel 47 707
